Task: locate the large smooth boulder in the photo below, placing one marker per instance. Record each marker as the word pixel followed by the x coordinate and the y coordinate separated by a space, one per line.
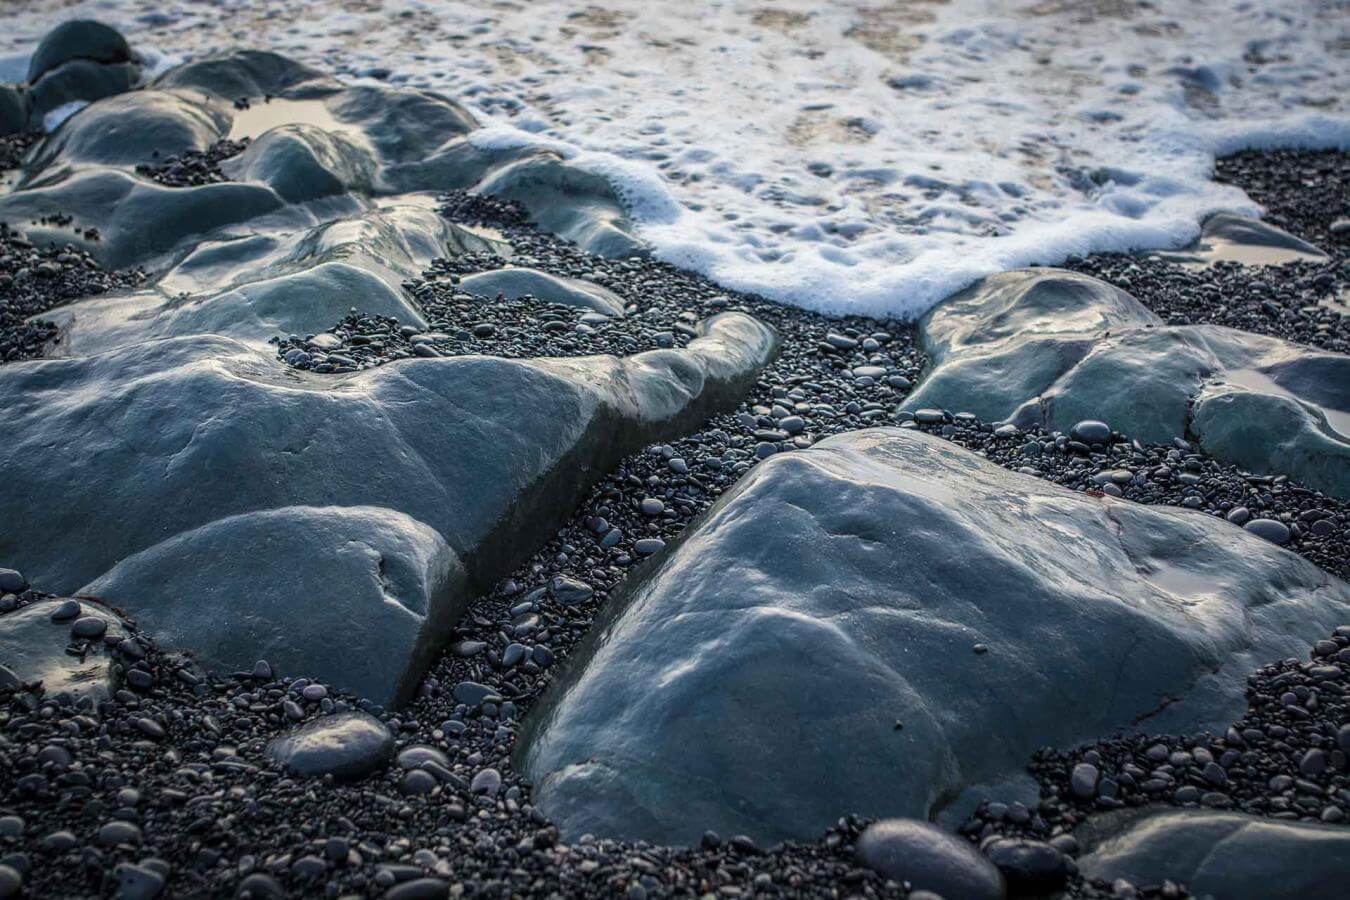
pixel 578 205
pixel 369 580
pixel 751 679
pixel 77 39
pixel 1219 855
pixel 1049 348
pixel 13 109
pixel 233 75
pixel 171 437
pixel 130 129
pixel 139 221
pixel 78 81
pixel 301 163
pixel 255 288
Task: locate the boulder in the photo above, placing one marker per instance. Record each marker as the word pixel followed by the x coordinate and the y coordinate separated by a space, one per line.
pixel 1228 237
pixel 78 81
pixel 360 596
pixel 233 75
pixel 130 129
pixel 513 283
pixel 1049 348
pixel 175 436
pixel 252 289
pixel 13 109
pixel 82 39
pixel 401 124
pixel 751 678
pixel 1225 855
pixel 578 205
pixel 302 162
pixel 33 648
pixel 139 221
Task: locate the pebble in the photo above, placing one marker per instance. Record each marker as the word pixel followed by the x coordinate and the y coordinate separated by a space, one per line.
pixel 346 745
pixel 929 859
pixel 1274 531
pixel 1091 431
pixel 89 627
pixel 11 581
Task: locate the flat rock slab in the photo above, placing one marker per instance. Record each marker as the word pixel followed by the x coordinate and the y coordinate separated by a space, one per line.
pixel 346 745
pixel 319 150
pixel 1228 237
pixel 33 647
pixel 750 680
pixel 325 517
pixel 1050 348
pixel 1220 855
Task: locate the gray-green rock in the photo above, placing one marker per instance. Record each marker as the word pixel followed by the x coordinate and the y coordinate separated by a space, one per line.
pixel 1050 348
pixel 1219 855
pixel 750 680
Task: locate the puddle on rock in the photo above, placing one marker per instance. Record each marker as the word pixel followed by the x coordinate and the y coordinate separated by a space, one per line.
pixel 263 115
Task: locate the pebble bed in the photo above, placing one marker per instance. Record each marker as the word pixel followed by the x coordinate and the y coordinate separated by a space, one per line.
pixel 34 280
pixel 169 778
pixel 13 147
pixel 1285 759
pixel 1305 302
pixel 195 167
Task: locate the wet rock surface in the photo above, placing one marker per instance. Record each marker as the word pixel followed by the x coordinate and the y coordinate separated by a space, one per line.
pixel 1220 854
pixel 820 597
pixel 166 788
pixel 1049 348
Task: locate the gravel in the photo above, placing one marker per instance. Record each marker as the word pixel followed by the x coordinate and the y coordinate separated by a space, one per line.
pixel 34 280
pixel 179 755
pixel 195 167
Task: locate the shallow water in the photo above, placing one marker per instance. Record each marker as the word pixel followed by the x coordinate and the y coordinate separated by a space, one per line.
pixel 262 116
pixel 851 157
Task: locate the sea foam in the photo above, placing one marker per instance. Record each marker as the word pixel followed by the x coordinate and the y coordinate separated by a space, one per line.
pixel 852 157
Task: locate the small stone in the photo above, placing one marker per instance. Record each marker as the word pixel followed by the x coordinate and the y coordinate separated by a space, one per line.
pixel 568 591
pixel 11 882
pixel 1083 781
pixel 1091 431
pixel 11 581
pixel 66 610
pixel 930 859
pixel 89 627
pixel 1030 866
pixel 1274 531
pixel 346 745
pixel 487 781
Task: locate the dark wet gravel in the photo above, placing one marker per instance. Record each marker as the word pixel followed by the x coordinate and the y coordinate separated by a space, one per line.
pixel 461 324
pixel 1299 302
pixel 13 148
pixel 34 280
pixel 208 803
pixel 195 167
pixel 1286 758
pixel 1303 191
